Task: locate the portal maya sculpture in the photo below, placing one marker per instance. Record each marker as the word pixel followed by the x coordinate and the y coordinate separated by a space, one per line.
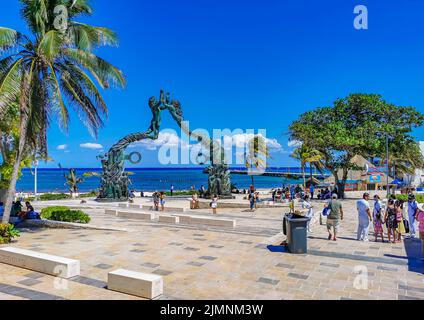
pixel 115 181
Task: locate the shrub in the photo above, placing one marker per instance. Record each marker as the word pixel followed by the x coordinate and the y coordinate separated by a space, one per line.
pixel 54 196
pixel 181 193
pixel 89 195
pixel 404 197
pixel 7 233
pixel 65 214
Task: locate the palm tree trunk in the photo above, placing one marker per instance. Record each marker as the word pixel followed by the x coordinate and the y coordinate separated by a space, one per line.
pixel 253 183
pixel 304 177
pixel 23 103
pixel 15 173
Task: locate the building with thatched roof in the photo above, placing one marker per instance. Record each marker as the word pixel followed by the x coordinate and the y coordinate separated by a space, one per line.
pixel 366 177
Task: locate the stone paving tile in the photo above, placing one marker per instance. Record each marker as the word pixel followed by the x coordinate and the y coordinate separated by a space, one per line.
pixel 196 264
pixel 216 246
pixel 103 266
pixel 34 275
pixel 191 249
pixel 29 282
pixel 268 281
pixel 286 266
pixel 27 293
pixel 333 265
pixel 386 268
pixel 298 276
pixel 409 288
pixel 208 258
pixel 138 251
pixel 89 281
pixel 177 244
pixel 150 265
pixel 162 272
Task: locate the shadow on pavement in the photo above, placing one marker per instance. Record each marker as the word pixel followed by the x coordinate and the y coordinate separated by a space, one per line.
pixel 413 255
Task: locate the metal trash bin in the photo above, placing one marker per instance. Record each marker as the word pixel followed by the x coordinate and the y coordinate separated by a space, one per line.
pixel 296 231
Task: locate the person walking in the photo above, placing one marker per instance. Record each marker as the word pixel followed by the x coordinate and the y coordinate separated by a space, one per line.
pixel 412 211
pixel 162 197
pixel 312 190
pixel 420 218
pixel 252 201
pixel 172 190
pixel 391 220
pixel 333 219
pixel 306 205
pixel 364 217
pixel 156 200
pixel 214 204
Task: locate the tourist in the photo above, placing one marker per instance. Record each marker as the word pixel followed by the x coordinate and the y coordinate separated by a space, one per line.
pixel 194 201
pixel 412 211
pixel 214 203
pixel 252 201
pixel 333 219
pixel 292 192
pixel 378 226
pixel 274 192
pixel 202 191
pixel 399 219
pixel 420 218
pixel 16 209
pixel 306 205
pixel 156 200
pixel 312 190
pixel 252 188
pixel 319 194
pixel 378 206
pixel 172 190
pixel 29 213
pixel 162 200
pixel 391 220
pixel 364 217
pixel 132 195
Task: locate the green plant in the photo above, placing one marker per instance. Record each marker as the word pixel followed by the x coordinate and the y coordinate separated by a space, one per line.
pixel 404 197
pixel 181 193
pixel 8 232
pixel 89 195
pixel 65 214
pixel 53 196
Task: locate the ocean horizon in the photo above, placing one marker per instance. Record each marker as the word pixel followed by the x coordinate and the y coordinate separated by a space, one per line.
pixel 148 179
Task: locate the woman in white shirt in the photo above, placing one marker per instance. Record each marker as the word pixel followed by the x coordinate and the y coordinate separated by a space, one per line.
pixel 306 205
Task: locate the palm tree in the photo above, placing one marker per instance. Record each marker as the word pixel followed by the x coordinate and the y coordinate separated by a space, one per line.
pixel 257 154
pixel 306 155
pixel 51 70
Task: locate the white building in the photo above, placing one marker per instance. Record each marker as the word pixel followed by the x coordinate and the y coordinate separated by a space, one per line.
pixel 416 180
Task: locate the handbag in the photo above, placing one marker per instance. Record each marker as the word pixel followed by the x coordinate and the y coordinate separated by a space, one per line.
pixel 406 224
pixel 325 211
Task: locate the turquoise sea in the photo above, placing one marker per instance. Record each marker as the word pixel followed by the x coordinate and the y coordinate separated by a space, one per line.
pixel 148 179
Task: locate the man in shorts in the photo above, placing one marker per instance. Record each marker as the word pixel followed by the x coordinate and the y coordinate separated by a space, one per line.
pixel 335 215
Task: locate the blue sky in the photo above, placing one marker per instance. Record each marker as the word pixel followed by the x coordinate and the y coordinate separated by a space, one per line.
pixel 245 64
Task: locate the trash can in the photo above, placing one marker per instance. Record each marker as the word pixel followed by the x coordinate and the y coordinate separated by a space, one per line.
pixel 296 231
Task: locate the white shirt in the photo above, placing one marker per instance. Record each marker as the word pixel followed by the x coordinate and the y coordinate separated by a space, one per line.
pixel 362 206
pixel 308 206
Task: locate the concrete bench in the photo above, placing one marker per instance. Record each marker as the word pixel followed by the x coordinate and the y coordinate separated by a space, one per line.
pixel 166 209
pixel 213 222
pixel 135 215
pixel 139 284
pixel 183 219
pixel 169 219
pixel 111 212
pixel 40 262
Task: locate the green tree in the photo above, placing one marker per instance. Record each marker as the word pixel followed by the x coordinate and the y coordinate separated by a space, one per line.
pixel 356 125
pixel 256 156
pixel 53 69
pixel 305 154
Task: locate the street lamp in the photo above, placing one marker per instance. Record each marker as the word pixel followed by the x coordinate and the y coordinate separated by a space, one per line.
pixel 35 165
pixel 387 165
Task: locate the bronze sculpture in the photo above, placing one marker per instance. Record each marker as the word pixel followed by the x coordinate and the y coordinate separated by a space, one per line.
pixel 114 179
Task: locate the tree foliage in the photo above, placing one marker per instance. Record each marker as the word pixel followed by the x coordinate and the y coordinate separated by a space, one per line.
pixel 358 125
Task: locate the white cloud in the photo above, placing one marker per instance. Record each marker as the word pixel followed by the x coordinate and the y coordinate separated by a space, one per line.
pixel 168 139
pixel 241 141
pixel 294 143
pixel 93 146
pixel 62 147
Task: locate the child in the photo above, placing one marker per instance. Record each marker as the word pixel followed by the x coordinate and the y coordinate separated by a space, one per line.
pixel 420 218
pixel 162 200
pixel 214 203
pixel 399 218
pixel 378 227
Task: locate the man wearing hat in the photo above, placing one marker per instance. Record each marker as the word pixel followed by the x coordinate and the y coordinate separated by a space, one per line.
pixel 412 211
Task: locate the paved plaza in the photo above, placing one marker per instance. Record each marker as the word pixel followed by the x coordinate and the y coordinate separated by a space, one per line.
pixel 201 262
